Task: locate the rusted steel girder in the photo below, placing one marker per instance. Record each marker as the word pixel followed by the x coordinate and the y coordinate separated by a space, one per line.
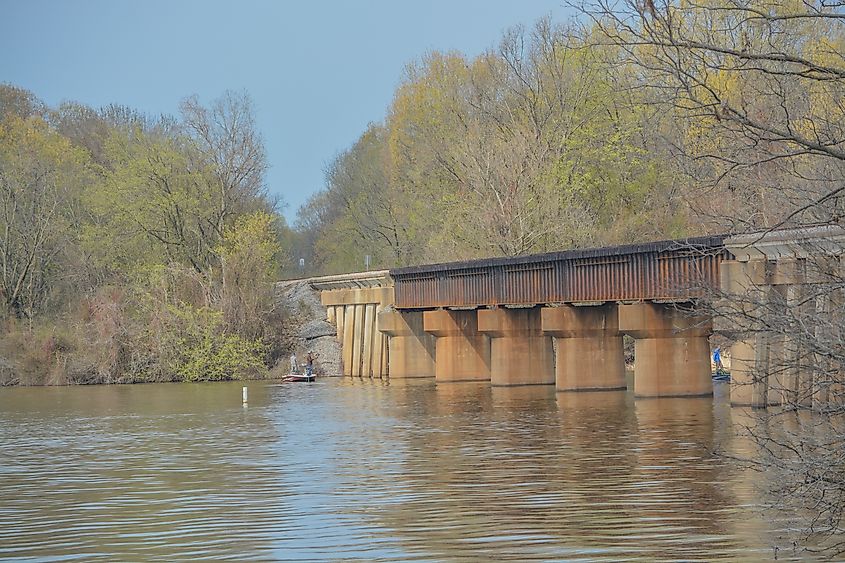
pixel 673 270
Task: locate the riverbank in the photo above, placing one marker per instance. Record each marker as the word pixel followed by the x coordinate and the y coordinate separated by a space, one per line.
pixel 104 345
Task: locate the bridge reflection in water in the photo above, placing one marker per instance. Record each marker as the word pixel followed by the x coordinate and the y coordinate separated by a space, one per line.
pixel 525 472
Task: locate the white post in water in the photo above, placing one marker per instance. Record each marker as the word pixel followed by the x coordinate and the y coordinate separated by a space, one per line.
pixel 245 395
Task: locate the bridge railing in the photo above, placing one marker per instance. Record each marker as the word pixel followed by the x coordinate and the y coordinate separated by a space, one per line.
pixel 677 270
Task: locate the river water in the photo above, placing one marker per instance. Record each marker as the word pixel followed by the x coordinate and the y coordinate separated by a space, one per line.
pixel 343 469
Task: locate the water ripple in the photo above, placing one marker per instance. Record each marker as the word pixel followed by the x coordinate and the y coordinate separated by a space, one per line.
pixel 346 470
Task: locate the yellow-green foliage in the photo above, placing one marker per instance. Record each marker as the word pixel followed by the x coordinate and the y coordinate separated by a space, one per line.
pixel 42 178
pixel 156 263
pixel 199 349
pixel 249 262
pixel 540 145
pixel 253 244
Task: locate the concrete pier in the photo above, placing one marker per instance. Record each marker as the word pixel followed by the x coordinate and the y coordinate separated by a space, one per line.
pixel 461 352
pixel 797 374
pixel 746 290
pixel 520 354
pixel 776 305
pixel 588 343
pixel 671 351
pixel 411 349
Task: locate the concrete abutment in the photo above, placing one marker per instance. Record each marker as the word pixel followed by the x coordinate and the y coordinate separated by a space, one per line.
pixel 354 313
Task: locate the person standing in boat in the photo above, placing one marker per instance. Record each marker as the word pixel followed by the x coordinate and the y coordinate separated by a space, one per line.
pixel 717 360
pixel 309 363
pixel 293 366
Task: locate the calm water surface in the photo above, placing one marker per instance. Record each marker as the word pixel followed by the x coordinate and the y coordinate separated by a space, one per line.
pixel 351 470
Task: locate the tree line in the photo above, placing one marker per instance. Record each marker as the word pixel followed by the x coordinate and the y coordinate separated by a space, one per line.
pixel 135 248
pixel 541 144
pixel 625 124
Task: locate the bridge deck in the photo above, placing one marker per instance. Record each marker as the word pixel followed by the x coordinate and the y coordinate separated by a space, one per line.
pixel 674 270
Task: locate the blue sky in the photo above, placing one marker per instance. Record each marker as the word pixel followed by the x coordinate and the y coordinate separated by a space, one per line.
pixel 318 71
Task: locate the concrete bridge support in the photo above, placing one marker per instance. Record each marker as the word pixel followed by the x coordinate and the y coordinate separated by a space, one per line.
pixel 520 354
pixel 797 374
pixel 589 355
pixel 411 349
pixel 461 352
pixel 671 351
pixel 353 312
pixel 778 304
pixel 828 375
pixel 745 284
pixel 768 364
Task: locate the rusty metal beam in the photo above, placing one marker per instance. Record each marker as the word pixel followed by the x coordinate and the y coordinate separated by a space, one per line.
pixel 674 270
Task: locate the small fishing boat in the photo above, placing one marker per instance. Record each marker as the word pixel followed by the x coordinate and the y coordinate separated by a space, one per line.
pixel 722 375
pixel 298 377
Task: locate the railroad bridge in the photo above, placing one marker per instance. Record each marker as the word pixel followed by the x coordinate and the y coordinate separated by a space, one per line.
pixel 559 318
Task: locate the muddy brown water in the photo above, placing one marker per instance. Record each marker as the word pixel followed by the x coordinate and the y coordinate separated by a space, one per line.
pixel 344 469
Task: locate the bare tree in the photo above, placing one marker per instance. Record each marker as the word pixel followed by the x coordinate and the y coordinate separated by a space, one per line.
pixel 757 90
pixel 231 151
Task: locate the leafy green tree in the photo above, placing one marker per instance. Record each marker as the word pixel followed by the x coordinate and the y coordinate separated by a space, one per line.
pixel 42 179
pixel 250 255
pixel 542 144
pixel 156 197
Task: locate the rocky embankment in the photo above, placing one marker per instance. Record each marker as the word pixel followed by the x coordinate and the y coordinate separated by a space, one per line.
pixel 307 328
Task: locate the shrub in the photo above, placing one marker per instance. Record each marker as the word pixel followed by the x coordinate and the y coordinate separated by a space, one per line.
pixel 197 348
